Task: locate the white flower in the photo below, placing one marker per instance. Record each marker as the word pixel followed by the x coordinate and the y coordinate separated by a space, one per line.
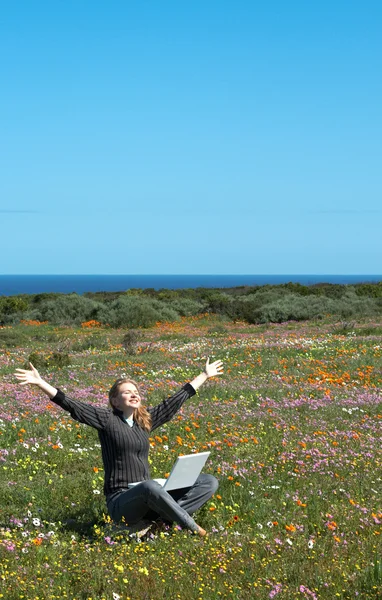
pixel 37 445
pixel 259 525
pixel 25 550
pixel 270 524
pixel 310 544
pixel 289 541
pixel 36 522
pixel 96 492
pixel 116 596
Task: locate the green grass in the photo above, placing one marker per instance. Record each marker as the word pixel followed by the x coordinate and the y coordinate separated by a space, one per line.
pixel 294 429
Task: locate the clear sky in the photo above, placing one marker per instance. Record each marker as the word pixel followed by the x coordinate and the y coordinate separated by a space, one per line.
pixel 209 136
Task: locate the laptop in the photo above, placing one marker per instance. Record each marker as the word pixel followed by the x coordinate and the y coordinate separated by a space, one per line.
pixel 184 473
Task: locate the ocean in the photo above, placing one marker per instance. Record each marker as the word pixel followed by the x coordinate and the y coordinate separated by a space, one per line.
pixel 11 285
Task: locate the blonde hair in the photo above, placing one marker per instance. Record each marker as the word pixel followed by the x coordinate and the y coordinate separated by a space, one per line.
pixel 141 415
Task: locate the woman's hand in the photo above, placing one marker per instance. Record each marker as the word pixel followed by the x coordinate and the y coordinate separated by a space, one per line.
pixel 28 376
pixel 210 370
pixel 32 376
pixel 213 369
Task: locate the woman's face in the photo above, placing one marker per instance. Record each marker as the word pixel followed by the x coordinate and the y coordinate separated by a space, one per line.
pixel 128 398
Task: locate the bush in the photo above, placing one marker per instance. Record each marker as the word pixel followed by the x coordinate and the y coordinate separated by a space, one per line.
pixel 300 308
pixel 132 311
pixel 131 341
pixel 289 308
pixel 351 305
pixel 66 310
pixel 12 305
pixel 217 330
pixel 186 307
pixel 90 342
pixel 12 338
pixel 53 359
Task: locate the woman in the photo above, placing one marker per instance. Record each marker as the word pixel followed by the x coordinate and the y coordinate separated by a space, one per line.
pixel 123 430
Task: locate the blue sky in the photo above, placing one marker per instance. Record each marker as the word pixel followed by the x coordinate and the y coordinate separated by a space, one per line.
pixel 146 137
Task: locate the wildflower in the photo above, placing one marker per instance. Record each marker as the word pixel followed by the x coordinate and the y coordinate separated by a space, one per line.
pixel 278 541
pixel 37 541
pixel 310 544
pixel 96 492
pixel 36 522
pixel 289 541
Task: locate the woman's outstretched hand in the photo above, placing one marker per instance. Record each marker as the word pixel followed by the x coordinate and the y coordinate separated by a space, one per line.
pixel 210 370
pixel 213 369
pixel 26 376
pixel 32 376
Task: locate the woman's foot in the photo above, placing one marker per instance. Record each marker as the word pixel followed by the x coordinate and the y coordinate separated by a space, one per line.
pixel 200 531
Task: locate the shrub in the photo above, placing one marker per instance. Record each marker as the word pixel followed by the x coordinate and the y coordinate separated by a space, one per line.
pixel 289 308
pixel 187 307
pixel 131 341
pixel 132 311
pixel 217 330
pixel 66 310
pixel 12 305
pixel 12 338
pixel 53 359
pixel 90 342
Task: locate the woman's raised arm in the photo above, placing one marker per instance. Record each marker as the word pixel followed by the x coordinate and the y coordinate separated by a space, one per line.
pixel 33 377
pixel 83 412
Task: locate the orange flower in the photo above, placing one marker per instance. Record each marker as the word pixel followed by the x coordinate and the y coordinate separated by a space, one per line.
pixel 290 527
pixel 37 541
pixel 299 503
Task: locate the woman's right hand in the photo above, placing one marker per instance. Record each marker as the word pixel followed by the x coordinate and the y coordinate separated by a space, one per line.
pixel 26 376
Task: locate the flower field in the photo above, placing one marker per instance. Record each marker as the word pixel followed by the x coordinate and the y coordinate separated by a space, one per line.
pixel 294 427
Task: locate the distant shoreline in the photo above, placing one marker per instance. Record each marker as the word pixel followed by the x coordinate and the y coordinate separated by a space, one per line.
pixel 14 285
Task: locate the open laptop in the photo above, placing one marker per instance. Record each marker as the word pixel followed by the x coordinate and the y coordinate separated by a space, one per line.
pixel 184 473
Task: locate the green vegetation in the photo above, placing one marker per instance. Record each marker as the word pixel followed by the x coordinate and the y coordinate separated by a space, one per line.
pixel 294 429
pixel 143 308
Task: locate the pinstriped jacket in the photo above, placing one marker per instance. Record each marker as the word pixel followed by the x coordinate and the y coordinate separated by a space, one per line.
pixel 125 449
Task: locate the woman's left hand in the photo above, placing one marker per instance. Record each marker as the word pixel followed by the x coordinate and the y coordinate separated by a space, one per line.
pixel 213 369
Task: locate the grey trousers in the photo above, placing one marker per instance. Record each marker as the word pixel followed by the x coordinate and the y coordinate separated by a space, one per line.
pixel 148 500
